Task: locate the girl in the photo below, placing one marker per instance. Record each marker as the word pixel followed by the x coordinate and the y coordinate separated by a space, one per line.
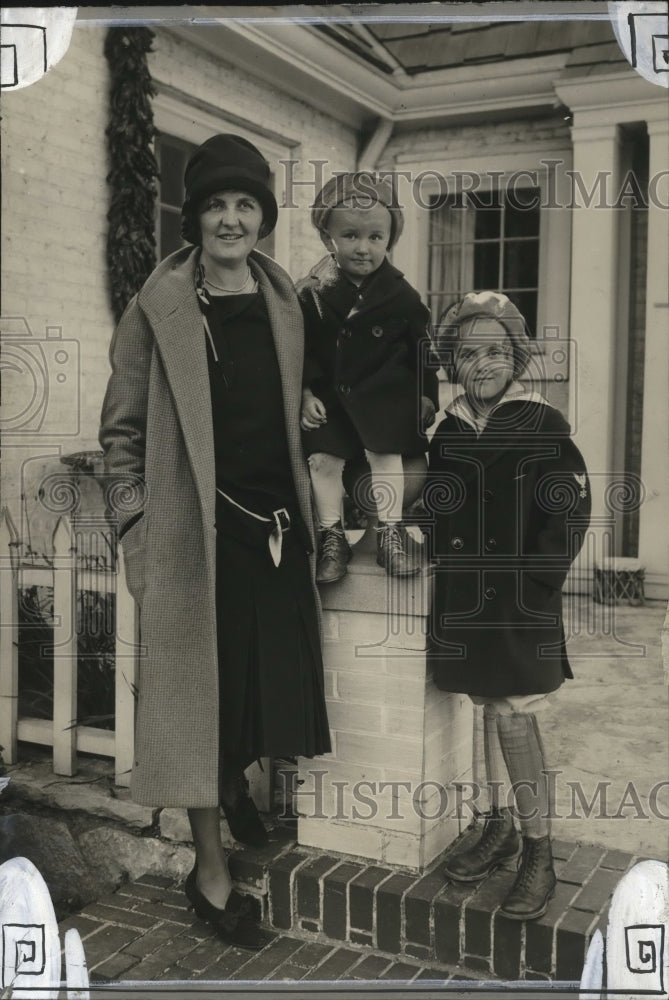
pixel 509 497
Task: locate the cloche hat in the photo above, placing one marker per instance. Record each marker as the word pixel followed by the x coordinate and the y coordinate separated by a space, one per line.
pixel 228 162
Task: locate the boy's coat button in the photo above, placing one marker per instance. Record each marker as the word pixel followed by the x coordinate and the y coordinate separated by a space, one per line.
pixel 344 389
pixel 344 332
pixel 489 593
pixel 456 542
pixel 377 331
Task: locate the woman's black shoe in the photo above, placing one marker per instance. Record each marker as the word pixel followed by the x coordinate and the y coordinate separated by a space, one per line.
pixel 240 810
pixel 234 923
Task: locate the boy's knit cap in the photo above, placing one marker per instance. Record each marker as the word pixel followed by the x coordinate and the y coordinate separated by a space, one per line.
pixel 364 189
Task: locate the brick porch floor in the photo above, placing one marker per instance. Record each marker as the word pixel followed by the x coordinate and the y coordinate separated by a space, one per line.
pixel 333 918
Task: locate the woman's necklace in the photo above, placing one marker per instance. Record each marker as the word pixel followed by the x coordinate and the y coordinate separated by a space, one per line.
pixel 220 288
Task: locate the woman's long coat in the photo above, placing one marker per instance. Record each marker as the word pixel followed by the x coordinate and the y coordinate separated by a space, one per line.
pixel 158 440
pixel 367 357
pixel 508 511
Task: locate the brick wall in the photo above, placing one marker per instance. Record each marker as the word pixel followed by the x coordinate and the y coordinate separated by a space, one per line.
pixel 54 205
pixel 398 744
pixel 53 239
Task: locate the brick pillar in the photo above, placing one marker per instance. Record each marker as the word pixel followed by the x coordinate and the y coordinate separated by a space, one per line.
pixel 386 792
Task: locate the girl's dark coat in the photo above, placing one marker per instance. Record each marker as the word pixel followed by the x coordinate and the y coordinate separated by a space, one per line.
pixel 158 439
pixel 507 514
pixel 370 362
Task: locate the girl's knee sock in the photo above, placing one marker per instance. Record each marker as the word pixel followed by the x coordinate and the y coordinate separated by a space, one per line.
pixel 326 481
pixel 387 485
pixel 523 753
pixel 495 767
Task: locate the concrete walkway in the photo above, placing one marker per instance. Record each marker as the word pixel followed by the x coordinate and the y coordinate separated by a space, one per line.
pixel 608 729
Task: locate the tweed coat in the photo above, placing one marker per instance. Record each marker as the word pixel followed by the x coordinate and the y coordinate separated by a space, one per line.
pixel 156 432
pixel 510 508
pixel 367 357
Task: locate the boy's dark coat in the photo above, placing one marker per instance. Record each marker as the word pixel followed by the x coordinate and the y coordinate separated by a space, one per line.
pixel 368 363
pixel 508 513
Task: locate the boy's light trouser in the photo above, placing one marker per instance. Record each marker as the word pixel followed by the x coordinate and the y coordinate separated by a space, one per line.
pixel 387 486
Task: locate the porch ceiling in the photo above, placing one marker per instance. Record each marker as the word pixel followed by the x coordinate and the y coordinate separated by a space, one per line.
pixel 413 71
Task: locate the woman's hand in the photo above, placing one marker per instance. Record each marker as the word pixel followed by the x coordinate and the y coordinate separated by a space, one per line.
pixel 427 412
pixel 313 411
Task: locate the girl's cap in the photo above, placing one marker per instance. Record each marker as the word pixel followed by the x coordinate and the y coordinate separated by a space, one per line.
pixel 366 189
pixel 491 305
pixel 481 305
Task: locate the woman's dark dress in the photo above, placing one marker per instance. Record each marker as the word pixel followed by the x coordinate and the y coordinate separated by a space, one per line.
pixel 272 700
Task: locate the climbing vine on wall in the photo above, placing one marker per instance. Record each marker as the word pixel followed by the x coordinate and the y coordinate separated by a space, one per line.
pixel 131 245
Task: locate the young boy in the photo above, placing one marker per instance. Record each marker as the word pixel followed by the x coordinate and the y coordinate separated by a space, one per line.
pixel 368 384
pixel 508 494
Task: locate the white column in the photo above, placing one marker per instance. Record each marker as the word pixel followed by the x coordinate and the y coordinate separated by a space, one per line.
pixel 653 544
pixel 593 324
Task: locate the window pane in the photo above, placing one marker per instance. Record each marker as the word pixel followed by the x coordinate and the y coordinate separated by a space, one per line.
pixel 488 215
pixel 445 223
pixel 527 303
pixel 519 221
pixel 486 266
pixel 170 232
pixel 172 166
pixel 521 264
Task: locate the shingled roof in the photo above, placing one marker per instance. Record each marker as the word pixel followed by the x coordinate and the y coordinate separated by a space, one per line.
pixel 421 46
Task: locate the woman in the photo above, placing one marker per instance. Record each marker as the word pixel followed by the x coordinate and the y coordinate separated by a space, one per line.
pixel 201 419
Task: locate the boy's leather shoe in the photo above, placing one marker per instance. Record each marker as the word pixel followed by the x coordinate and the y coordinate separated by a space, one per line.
pixel 391 551
pixel 535 883
pixel 499 841
pixel 334 554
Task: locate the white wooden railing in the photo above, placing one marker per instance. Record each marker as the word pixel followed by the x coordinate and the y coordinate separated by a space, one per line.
pixel 67 579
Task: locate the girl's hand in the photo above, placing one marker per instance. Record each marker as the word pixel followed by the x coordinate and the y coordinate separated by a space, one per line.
pixel 313 411
pixel 427 412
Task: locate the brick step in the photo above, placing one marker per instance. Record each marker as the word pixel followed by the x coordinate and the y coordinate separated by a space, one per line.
pixel 424 918
pixel 145 932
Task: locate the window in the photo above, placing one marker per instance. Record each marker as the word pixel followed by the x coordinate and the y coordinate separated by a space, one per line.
pixel 485 241
pixel 172 154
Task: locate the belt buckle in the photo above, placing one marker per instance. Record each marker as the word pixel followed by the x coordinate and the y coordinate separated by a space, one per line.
pixel 282 520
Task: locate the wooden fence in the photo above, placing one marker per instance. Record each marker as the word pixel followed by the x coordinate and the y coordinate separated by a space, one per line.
pixel 68 580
